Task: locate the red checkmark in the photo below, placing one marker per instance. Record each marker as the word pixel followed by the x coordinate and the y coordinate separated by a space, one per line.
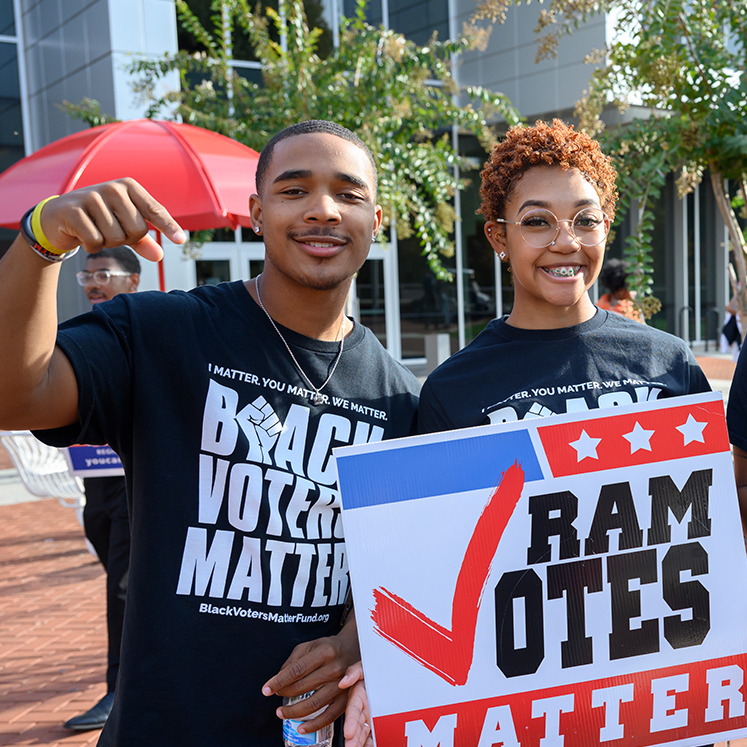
pixel 446 652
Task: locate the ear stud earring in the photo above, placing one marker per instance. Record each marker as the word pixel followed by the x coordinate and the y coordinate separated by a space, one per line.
pixel 256 230
pixel 502 256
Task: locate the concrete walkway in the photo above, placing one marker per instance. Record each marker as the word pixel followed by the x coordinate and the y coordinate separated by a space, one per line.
pixel 52 611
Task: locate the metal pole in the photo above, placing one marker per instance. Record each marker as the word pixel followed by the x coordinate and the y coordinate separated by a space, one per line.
pixel 458 249
pixel 228 44
pixel 696 262
pixel 161 274
pixel 28 145
pixel 335 22
pixel 391 298
pixel 498 286
pixel 681 269
pixel 284 19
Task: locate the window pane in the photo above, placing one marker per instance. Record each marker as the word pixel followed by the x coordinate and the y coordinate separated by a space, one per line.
pixel 6 239
pixel 255 267
pixel 478 279
pixel 252 74
pixel 212 272
pixel 427 305
pixel 370 287
pixel 418 19
pixel 241 44
pixel 11 123
pixel 246 233
pixel 373 11
pixel 7 21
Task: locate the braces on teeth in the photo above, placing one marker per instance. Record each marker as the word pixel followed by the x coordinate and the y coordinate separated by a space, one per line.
pixel 563 272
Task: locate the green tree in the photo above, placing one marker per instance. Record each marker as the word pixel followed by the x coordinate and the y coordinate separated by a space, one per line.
pixel 684 62
pixel 400 98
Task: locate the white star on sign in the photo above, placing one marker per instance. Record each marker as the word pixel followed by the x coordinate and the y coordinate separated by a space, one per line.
pixel 586 446
pixel 692 430
pixel 639 438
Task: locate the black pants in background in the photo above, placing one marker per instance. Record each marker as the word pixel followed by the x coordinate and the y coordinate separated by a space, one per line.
pixel 107 528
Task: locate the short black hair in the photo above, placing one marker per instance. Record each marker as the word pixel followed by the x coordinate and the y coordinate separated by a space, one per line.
pixel 614 276
pixel 123 255
pixel 308 128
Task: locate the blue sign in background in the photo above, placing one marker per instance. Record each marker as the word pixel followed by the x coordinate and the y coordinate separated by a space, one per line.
pixel 90 459
pixel 431 469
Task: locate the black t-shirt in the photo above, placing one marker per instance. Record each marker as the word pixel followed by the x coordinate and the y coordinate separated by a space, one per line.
pixel 508 374
pixel 237 544
pixel 736 410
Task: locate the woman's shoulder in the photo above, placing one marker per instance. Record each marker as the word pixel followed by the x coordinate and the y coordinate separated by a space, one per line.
pixel 633 331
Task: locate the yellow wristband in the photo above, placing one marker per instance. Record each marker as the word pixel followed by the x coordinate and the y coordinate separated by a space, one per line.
pixel 37 229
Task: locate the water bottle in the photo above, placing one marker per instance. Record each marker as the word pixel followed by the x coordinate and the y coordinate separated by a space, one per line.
pixel 291 737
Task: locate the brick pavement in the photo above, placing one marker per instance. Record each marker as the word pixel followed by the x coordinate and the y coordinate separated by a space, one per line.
pixel 52 626
pixel 717 367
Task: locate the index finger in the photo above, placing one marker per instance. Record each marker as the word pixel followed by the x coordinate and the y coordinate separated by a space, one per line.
pixel 288 675
pixel 148 249
pixel 294 670
pixel 156 214
pixel 353 674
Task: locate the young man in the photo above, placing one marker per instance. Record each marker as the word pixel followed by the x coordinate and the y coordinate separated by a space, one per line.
pixel 224 404
pixel 107 274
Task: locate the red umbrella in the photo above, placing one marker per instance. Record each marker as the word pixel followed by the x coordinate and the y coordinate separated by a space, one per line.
pixel 203 179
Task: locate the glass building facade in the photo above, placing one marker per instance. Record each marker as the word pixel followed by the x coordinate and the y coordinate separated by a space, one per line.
pixel 11 111
pixel 82 49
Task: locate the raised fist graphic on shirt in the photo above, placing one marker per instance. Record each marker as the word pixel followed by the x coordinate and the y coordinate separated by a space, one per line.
pixel 262 426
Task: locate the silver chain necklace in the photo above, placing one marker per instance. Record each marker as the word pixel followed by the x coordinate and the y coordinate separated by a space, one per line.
pixel 318 396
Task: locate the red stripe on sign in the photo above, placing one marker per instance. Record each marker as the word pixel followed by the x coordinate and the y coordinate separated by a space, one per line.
pixel 641 438
pixel 648 708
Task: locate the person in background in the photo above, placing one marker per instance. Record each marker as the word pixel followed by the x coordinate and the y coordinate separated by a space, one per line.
pixel 224 404
pixel 110 272
pixel 736 420
pixel 730 340
pixel 618 298
pixel 107 274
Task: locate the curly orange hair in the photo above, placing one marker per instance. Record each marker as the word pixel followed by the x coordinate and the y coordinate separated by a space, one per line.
pixel 544 145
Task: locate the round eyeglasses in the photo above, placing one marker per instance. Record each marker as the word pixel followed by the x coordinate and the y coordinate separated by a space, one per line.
pixel 540 227
pixel 99 277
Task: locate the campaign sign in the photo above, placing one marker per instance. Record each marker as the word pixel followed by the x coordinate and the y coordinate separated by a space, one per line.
pixel 579 580
pixel 93 461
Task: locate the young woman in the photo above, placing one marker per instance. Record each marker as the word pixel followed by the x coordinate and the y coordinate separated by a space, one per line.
pixel 548 194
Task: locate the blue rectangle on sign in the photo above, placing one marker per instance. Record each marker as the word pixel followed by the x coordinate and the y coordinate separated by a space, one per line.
pixel 381 476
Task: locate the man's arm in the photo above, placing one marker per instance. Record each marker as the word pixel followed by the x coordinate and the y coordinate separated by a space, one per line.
pixel 317 666
pixel 740 474
pixel 37 384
